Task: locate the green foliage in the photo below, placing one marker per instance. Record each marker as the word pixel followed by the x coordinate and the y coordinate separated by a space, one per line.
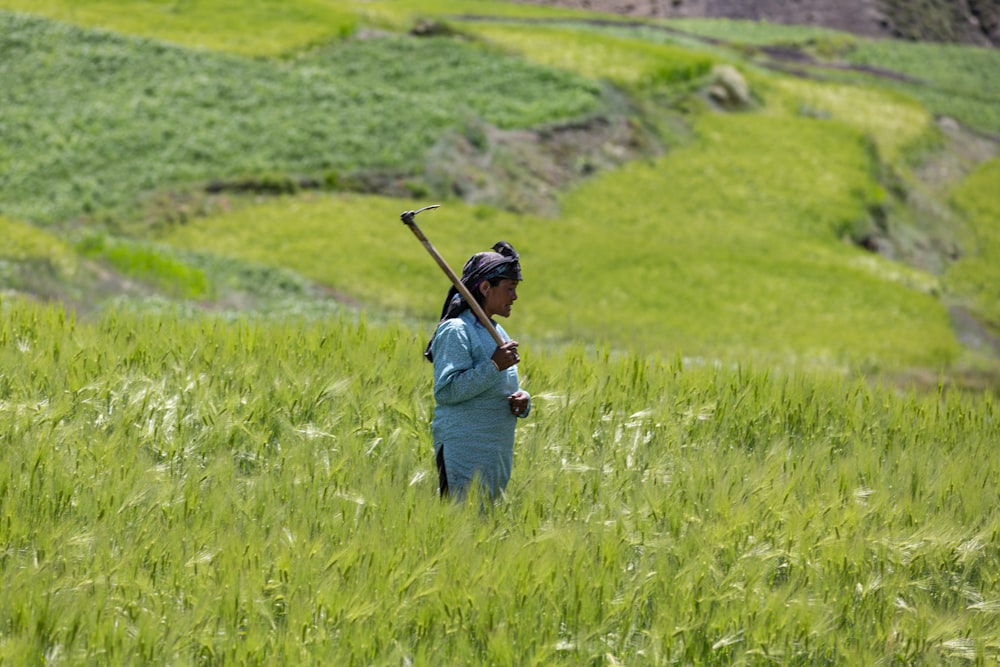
pixel 92 120
pixel 741 172
pixel 191 491
pixel 464 79
pixel 401 15
pixel 976 275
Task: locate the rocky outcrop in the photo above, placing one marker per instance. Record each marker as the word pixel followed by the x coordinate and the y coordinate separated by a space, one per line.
pixel 987 15
pixel 968 21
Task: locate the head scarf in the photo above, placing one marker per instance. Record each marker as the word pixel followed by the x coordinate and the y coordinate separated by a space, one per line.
pixel 502 262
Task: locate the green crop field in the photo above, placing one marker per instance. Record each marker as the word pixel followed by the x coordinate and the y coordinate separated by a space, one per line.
pixel 192 491
pixel 762 337
pixel 94 120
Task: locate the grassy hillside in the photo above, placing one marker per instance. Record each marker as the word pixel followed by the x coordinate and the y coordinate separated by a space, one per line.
pixel 192 490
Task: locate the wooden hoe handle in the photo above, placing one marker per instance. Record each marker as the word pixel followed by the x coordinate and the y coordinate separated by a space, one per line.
pixel 407 218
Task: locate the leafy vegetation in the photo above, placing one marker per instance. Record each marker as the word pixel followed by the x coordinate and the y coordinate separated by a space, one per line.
pixel 200 490
pixel 92 120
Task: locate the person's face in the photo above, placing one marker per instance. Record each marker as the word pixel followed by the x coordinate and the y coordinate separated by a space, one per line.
pixel 499 298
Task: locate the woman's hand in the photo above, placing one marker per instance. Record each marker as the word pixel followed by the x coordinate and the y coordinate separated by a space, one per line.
pixel 518 402
pixel 505 355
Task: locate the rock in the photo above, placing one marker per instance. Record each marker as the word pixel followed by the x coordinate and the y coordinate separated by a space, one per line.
pixel 728 88
pixel 964 21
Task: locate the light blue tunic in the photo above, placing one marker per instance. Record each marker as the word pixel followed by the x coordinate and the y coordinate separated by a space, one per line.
pixel 472 418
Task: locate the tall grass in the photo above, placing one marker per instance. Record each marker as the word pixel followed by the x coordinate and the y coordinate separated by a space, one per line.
pixel 196 491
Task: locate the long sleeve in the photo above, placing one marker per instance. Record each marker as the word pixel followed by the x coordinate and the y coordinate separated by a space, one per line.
pixel 458 374
pixel 473 424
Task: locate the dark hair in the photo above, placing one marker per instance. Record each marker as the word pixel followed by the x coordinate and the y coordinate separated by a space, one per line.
pixel 503 262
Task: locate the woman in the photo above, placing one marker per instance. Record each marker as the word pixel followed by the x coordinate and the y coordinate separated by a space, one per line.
pixel 478 399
